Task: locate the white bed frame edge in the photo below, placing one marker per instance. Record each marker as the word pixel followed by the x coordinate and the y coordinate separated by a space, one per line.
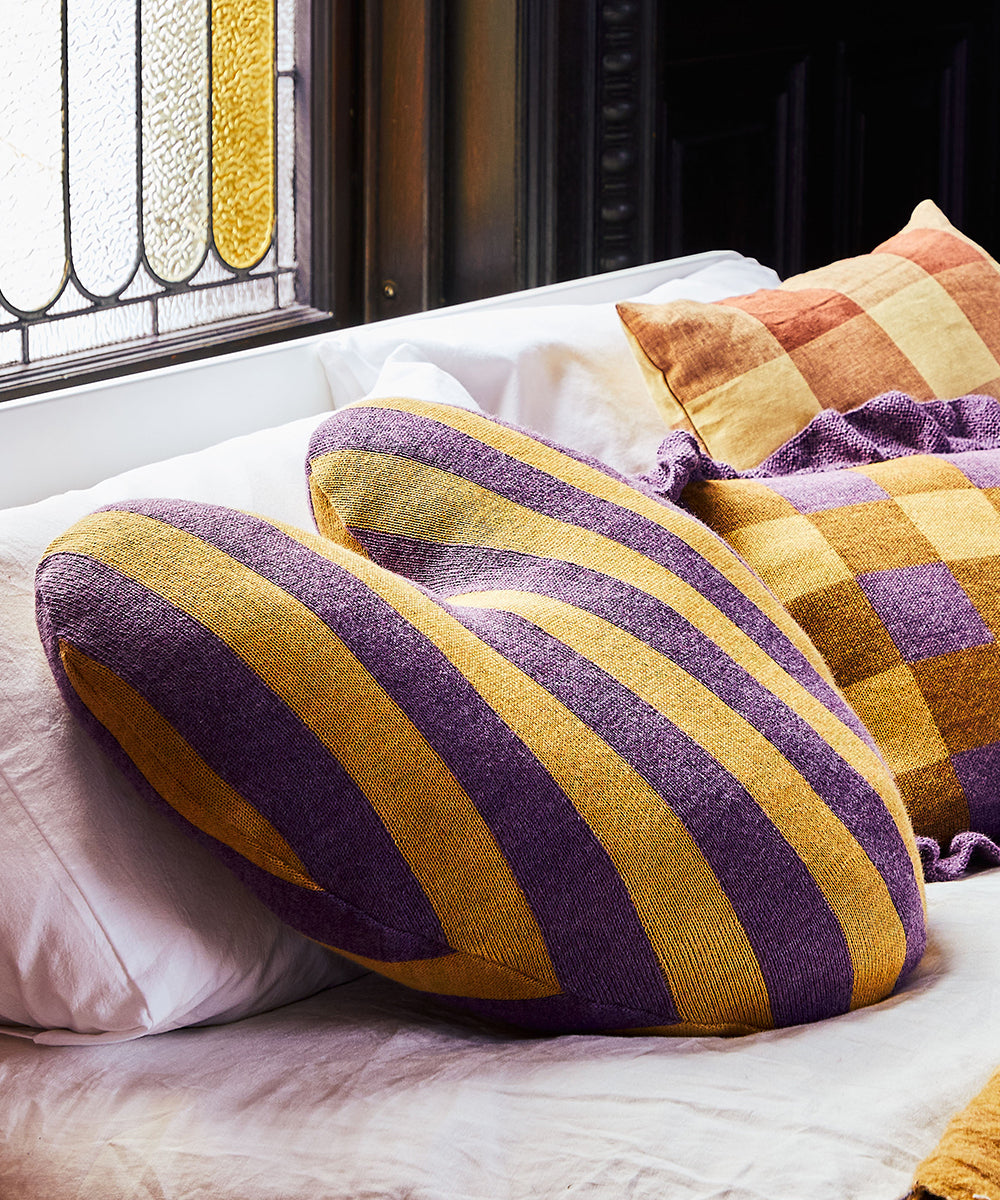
pixel 97 430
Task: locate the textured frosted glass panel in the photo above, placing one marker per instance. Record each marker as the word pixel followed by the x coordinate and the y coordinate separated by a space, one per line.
pixel 33 246
pixel 175 136
pixel 267 264
pixel 212 271
pixel 101 328
pixel 71 299
pixel 286 172
pixel 142 285
pixel 286 290
pixel 286 35
pixel 10 347
pixel 103 207
pixel 187 309
pixel 242 128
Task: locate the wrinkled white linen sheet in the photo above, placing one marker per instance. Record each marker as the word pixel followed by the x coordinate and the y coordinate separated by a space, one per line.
pixel 369 1091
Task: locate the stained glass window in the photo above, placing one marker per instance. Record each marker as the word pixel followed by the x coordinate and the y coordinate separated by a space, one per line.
pixel 147 171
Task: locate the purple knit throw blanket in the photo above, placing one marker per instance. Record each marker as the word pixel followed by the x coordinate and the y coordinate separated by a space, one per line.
pixel 890 426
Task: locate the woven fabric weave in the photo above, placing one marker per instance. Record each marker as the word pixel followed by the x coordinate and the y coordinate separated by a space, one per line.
pixel 891 569
pixel 918 315
pixel 509 731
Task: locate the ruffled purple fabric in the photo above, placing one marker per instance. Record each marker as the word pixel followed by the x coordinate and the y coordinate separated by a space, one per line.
pixel 892 425
pixel 967 853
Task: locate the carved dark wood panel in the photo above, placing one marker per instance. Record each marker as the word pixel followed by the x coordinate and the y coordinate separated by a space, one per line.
pixel 800 139
pixel 588 72
pixel 900 121
pixel 624 186
pixel 733 165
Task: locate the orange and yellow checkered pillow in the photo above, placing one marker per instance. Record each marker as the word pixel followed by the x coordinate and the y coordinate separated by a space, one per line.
pixel 893 570
pixel 920 314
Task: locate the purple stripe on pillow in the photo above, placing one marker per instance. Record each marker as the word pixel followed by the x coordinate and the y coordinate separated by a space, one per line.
pixel 452 569
pixel 559 1013
pixel 326 439
pixel 845 792
pixel 514 794
pixel 291 778
pixel 423 439
pixel 738 840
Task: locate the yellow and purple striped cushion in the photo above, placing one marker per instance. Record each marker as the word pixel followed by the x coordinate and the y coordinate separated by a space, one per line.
pixel 918 315
pixel 512 733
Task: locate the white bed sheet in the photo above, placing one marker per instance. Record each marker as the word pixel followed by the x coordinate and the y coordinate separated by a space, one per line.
pixel 370 1091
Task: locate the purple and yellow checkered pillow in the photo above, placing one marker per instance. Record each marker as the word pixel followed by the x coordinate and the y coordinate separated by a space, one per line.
pixel 920 314
pixel 512 733
pixel 893 570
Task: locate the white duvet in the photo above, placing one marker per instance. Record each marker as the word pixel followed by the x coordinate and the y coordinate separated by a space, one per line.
pixel 368 1091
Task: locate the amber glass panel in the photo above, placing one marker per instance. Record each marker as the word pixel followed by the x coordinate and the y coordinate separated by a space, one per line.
pixel 242 129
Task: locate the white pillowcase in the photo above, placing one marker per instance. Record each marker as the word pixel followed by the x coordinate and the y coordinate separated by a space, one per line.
pixel 406 373
pixel 565 371
pixel 113 922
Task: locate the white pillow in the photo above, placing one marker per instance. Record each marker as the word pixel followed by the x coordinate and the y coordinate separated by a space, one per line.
pixel 406 373
pixel 113 922
pixel 566 371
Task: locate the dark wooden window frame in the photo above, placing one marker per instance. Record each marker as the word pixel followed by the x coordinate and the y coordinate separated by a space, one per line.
pixel 508 144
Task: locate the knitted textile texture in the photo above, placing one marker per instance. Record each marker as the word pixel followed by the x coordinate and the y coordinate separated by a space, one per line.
pixel 965 1164
pixel 892 570
pixel 892 425
pixel 919 314
pixel 512 733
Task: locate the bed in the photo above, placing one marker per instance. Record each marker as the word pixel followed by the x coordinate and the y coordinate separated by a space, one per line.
pixel 166 1036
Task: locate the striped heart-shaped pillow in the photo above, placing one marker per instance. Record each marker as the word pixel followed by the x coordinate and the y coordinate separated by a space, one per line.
pixel 507 730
